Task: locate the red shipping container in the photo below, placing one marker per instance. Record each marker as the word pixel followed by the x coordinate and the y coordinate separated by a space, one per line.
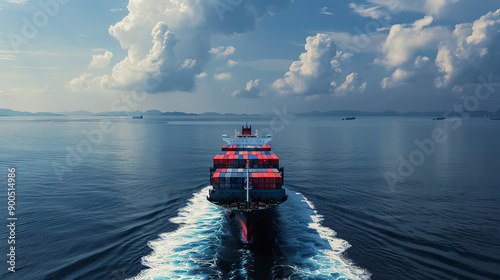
pixel 280 179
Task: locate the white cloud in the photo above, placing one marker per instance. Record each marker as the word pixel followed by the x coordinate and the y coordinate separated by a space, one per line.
pixel 316 69
pixel 432 7
pixel 231 63
pixel 20 2
pixel 358 43
pixel 436 6
pixel 188 63
pixel 472 49
pixel 461 55
pixel 164 38
pixel 421 61
pixel 406 39
pixel 221 52
pixel 101 60
pixel 222 76
pixel 370 11
pixel 396 78
pixel 7 57
pixel 325 11
pixel 352 83
pixel 85 82
pixel 201 75
pixel 252 90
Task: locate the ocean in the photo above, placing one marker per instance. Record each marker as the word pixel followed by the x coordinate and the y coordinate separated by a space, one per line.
pixel 373 198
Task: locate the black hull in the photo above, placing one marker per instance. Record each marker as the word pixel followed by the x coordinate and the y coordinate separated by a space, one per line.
pixel 248 225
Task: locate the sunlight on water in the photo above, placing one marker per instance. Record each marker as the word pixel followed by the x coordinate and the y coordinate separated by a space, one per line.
pixel 192 251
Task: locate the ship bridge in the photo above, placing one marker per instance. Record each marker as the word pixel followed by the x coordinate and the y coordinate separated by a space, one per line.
pixel 245 137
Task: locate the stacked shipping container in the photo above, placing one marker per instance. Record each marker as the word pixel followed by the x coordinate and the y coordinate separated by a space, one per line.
pixel 239 159
pixel 230 168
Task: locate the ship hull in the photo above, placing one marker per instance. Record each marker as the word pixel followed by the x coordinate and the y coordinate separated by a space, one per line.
pixel 248 225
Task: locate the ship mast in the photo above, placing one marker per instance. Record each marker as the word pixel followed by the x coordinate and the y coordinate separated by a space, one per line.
pixel 247 188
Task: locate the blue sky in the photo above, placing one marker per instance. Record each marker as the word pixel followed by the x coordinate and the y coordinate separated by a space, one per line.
pixel 235 56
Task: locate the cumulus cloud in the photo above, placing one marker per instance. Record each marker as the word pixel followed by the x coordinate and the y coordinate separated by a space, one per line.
pixel 472 49
pixel 86 81
pixel 252 90
pixel 316 70
pixel 421 61
pixel 352 83
pixel 436 6
pixel 404 40
pixel 168 41
pixel 221 52
pixel 461 56
pixel 399 76
pixel 101 60
pixel 358 43
pixel 223 76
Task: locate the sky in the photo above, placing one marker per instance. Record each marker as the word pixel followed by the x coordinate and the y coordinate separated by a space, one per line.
pixel 249 56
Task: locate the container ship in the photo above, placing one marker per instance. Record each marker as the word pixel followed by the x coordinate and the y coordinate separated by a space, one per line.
pixel 246 180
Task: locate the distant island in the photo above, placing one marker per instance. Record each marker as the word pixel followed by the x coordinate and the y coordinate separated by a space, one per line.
pixel 340 113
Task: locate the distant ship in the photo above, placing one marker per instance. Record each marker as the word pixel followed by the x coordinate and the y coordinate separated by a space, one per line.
pixel 440 119
pixel 349 119
pixel 137 117
pixel 246 180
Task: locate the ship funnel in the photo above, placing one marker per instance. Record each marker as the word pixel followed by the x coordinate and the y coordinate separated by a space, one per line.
pixel 246 130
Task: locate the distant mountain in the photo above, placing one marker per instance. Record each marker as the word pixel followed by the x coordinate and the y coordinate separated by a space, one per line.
pixel 178 114
pixel 9 112
pixel 119 113
pixel 355 113
pixel 47 114
pixel 153 113
pixel 211 114
pixel 77 113
pixel 349 113
pixel 341 113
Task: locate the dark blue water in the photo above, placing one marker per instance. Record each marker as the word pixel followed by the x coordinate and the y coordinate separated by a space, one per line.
pixel 132 202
